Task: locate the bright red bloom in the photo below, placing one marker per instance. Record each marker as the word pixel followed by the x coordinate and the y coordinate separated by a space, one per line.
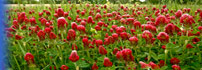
pixel 195 40
pixel 114 26
pixel 119 55
pixel 41 34
pixel 48 13
pixel 144 65
pixel 153 65
pixel 85 42
pixel 163 47
pixel 47 30
pixel 109 40
pixel 90 19
pixel 161 20
pixel 124 36
pixel 56 15
pixel 161 63
pixel 107 62
pixel 115 36
pixel 164 6
pixel 52 35
pixel 174 61
pixel 97 27
pixel 200 28
pixel 69 18
pixel 137 24
pixel 24 27
pixel 98 42
pixel 118 30
pixel 125 54
pixel 81 28
pixel 130 20
pixel 132 31
pixel 178 13
pixel 98 16
pixel 74 56
pixel 43 21
pixel 18 37
pixel 147 36
pixel 176 67
pixel 15 23
pixel 171 28
pixel 200 14
pixel 36 29
pixel 40 14
pixel 109 15
pixel 149 27
pixel 163 37
pixel 64 67
pixel 189 46
pixel 60 12
pixel 123 28
pixel 66 14
pixel 29 58
pixel 102 50
pixel 82 13
pixel 133 40
pixel 47 24
pixel 71 34
pixel 94 67
pixel 77 11
pixel 21 17
pixel 115 50
pixel 74 25
pixel 61 22
pixel 74 47
pixel 101 23
pixel 83 23
pixel 186 20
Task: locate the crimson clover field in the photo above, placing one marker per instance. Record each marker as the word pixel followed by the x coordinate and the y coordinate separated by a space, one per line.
pixel 104 37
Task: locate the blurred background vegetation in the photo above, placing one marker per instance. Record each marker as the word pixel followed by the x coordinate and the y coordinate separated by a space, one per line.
pixel 104 1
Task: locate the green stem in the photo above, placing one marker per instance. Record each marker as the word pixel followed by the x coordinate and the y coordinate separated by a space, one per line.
pixel 165 56
pixel 135 48
pixel 17 63
pixel 60 50
pixel 149 53
pixel 77 67
pixel 171 54
pixel 21 48
pixel 87 51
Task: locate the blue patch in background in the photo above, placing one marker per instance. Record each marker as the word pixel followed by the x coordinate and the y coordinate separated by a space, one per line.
pixel 2 36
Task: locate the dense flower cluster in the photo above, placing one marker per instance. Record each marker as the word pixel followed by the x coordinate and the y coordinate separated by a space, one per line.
pixel 104 37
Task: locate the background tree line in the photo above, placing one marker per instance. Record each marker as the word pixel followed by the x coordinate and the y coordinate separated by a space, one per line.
pixel 103 1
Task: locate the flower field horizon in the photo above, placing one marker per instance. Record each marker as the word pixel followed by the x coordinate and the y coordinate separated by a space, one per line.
pixel 104 36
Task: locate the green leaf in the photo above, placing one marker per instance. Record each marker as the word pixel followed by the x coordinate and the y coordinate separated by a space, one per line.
pixel 71 65
pixel 82 64
pixel 182 38
pixel 113 67
pixel 179 50
pixel 153 55
pixel 161 56
pixel 170 46
pixel 141 55
pixel 164 68
pixel 101 58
